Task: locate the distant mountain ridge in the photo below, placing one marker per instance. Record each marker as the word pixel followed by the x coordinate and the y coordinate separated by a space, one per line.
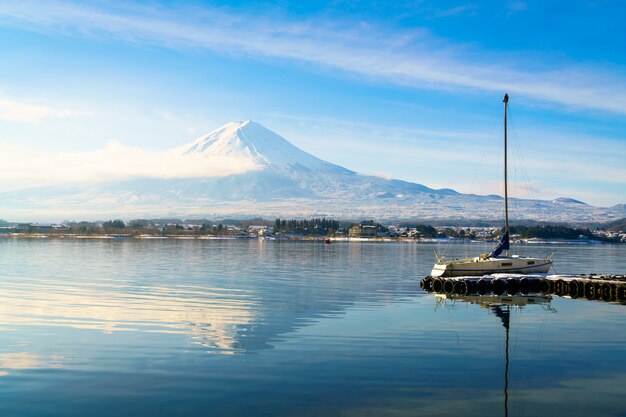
pixel 284 181
pixel 566 200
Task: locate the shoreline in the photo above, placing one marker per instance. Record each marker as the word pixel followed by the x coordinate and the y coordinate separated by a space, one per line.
pixel 289 238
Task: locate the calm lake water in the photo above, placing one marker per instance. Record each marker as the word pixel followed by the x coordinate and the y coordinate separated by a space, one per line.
pixel 269 328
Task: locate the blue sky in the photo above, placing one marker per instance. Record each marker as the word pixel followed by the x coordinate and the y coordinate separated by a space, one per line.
pixel 403 89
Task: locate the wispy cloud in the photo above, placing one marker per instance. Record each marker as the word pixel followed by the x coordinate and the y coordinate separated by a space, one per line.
pixel 23 112
pixel 515 6
pixel 412 58
pixel 550 163
pixel 23 166
pixel 455 11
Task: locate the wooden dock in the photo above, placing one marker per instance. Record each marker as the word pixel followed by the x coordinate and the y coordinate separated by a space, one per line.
pixel 600 287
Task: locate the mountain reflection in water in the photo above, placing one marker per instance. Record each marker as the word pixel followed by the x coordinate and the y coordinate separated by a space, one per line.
pixel 231 328
pixel 209 316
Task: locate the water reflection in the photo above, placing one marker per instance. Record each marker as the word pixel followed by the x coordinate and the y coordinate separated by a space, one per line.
pixel 210 316
pixel 500 306
pixel 130 328
pixel 227 297
pixel 26 360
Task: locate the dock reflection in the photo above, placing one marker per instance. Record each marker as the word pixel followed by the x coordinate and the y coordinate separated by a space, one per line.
pixel 501 306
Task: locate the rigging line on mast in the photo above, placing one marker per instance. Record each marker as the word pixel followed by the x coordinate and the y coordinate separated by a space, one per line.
pixel 472 183
pixel 474 180
pixel 553 267
pixel 499 170
pixel 525 179
pixel 446 247
pixel 520 155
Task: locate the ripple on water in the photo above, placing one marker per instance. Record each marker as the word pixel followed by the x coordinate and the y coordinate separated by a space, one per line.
pixel 163 327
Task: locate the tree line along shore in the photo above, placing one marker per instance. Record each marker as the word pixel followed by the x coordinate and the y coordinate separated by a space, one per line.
pixel 322 228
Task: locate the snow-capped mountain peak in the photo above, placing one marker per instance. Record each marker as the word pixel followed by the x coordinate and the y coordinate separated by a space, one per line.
pixel 251 141
pixel 271 177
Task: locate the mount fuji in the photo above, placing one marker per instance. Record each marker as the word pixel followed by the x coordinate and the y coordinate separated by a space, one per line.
pixel 283 170
pixel 279 180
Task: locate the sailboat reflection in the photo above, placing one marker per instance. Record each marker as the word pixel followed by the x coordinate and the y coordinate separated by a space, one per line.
pixel 500 306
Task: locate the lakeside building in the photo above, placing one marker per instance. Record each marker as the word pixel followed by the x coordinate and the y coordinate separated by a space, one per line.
pixel 619 235
pixel 259 230
pixel 40 227
pixel 363 230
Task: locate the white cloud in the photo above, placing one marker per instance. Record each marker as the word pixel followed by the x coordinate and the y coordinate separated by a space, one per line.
pixel 517 6
pixel 29 167
pixel 19 111
pixel 411 58
pixel 455 11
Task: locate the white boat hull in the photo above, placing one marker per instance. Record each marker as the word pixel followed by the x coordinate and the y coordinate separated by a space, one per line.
pixel 479 266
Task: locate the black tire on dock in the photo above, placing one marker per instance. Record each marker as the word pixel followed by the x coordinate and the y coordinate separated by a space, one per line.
pixel 499 285
pixel 574 289
pixel 560 287
pixel 460 287
pixel 589 290
pixel 534 285
pixel 620 292
pixel 483 286
pixel 512 286
pixel 598 291
pixel 448 286
pixel 545 285
pixel 437 285
pixel 565 287
pixel 426 284
pixel 606 291
pixel 524 286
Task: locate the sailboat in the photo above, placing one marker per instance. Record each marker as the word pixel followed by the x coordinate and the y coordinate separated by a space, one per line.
pixel 495 261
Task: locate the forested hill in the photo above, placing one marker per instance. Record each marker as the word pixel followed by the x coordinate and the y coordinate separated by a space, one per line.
pixel 550 232
pixel 616 226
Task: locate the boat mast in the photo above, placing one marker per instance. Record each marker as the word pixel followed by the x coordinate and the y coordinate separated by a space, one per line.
pixel 506 190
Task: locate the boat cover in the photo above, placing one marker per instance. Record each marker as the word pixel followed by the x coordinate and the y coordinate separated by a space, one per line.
pixel 503 245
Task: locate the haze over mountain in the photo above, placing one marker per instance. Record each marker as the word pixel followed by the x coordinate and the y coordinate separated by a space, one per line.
pixel 279 179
